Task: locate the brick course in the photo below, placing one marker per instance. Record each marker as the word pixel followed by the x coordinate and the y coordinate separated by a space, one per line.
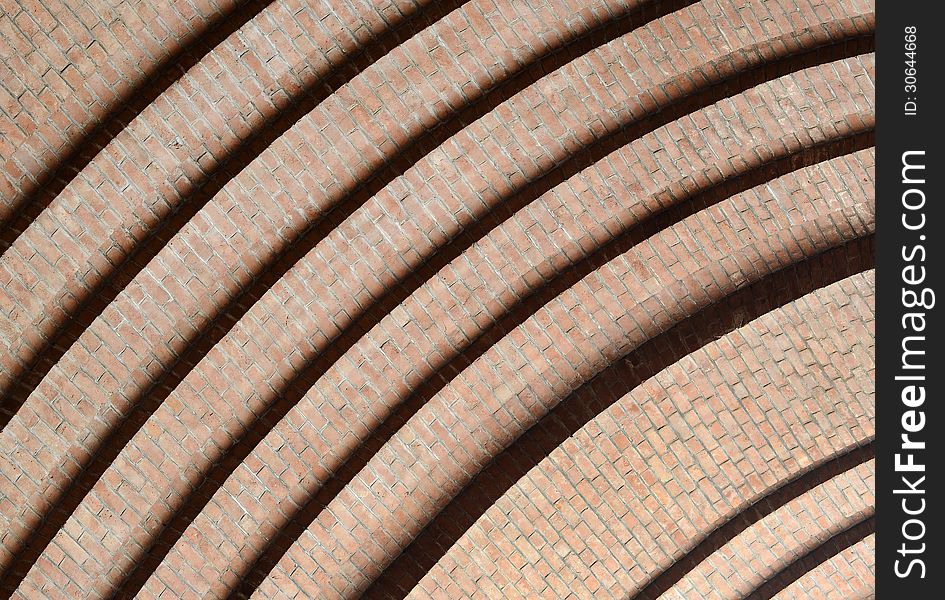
pixel 849 574
pixel 682 453
pixel 299 280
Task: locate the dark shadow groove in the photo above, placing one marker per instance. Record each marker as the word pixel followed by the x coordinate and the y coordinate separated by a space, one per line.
pixel 524 309
pixel 296 389
pixel 814 558
pixel 294 249
pixel 604 390
pixel 281 542
pixel 751 515
pixel 53 181
pixel 127 267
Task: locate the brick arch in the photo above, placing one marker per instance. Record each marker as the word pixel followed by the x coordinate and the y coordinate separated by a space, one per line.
pixel 848 574
pixel 630 447
pixel 487 407
pixel 854 101
pixel 102 64
pixel 279 487
pixel 331 276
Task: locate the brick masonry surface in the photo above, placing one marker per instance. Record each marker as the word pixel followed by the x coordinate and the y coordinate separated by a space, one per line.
pixel 438 299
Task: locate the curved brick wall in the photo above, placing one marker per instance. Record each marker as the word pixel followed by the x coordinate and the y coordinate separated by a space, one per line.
pixel 492 298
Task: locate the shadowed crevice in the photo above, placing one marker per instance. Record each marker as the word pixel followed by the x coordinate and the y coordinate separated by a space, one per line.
pixel 51 183
pixel 604 390
pixel 527 307
pixel 295 390
pixel 810 561
pixel 297 247
pixel 754 513
pixel 124 269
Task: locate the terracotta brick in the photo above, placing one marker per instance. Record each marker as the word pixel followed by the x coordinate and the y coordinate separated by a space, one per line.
pixel 485 298
pixel 849 574
pixel 552 486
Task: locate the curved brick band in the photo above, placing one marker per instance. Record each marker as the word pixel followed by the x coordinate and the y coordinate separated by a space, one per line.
pixel 848 575
pixel 67 66
pixel 150 363
pixel 686 451
pixel 778 540
pixel 129 463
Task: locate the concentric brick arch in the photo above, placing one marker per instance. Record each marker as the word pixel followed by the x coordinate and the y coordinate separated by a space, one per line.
pixel 495 298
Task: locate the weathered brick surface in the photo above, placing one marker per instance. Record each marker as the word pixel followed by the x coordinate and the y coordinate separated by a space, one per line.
pixel 688 450
pixel 281 64
pixel 781 538
pixel 404 367
pixel 67 65
pixel 402 360
pixel 183 142
pixel 521 377
pixel 300 304
pixel 849 575
pixel 159 307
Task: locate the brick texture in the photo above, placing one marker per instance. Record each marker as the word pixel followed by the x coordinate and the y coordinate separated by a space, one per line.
pixel 632 507
pixel 849 574
pixel 492 298
pixel 774 543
